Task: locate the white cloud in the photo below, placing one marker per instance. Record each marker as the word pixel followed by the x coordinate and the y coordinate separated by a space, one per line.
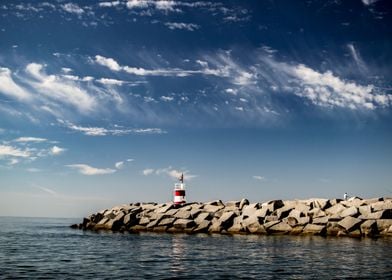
pixel 165 5
pixel 167 98
pixel 169 171
pixel 72 8
pixel 130 160
pixel 182 25
pixel 101 131
pixel 257 177
pixel 369 2
pixel 89 170
pixel 59 89
pixel 326 89
pixel 119 165
pixel 6 150
pixel 148 171
pixel 57 150
pixel 108 62
pixel 109 4
pixel 30 139
pixel 66 70
pixel 10 88
pixel 33 170
pixel 106 81
pixel 132 4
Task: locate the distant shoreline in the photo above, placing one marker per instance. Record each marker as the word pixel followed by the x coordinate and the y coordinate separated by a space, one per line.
pixel 354 217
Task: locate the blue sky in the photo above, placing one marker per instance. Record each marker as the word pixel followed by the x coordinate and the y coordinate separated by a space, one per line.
pixel 104 103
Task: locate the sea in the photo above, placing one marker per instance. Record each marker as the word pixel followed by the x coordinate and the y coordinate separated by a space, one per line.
pixel 47 248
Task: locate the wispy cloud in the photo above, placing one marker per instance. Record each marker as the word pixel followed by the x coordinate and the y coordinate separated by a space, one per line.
pixel 119 164
pixel 72 8
pixel 171 172
pixel 10 88
pixel 182 25
pixel 55 150
pixel 109 4
pixel 117 131
pixel 258 177
pixel 89 170
pixel 31 139
pixel 10 151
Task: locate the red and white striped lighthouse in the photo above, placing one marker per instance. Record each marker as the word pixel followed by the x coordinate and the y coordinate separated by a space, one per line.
pixel 179 192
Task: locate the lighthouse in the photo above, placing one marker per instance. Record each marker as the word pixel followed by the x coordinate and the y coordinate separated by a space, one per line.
pixel 179 191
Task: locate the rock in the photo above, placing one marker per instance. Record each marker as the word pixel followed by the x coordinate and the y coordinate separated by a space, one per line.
pixel 296 214
pixel 136 228
pixel 215 203
pixel 383 224
pixel 296 230
pixel 291 221
pixel 183 214
pixel 365 210
pixel 333 228
pixel 195 213
pixel 226 220
pixel 243 203
pixel 335 210
pixel 165 208
pixel 202 227
pixel 212 208
pixel 270 218
pixel 184 223
pixel 372 200
pixel 335 201
pixel 303 221
pixel 249 210
pixel 320 221
pixel 256 228
pixel 270 224
pixel 349 223
pixel 152 224
pixel 167 222
pixel 116 223
pixel 159 229
pixel 352 211
pixel 314 229
pixel 280 228
pixel 237 226
pixel 317 213
pixel 203 217
pixel 283 212
pixel 321 203
pixel 381 205
pixel 74 226
pixel 144 221
pixel 273 204
pixel 172 212
pixel 383 214
pixel 369 228
pixel 234 204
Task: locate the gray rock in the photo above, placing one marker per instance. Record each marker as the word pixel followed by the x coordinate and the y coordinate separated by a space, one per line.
pixel 352 211
pixel 249 210
pixel 212 208
pixel 167 222
pixel 317 213
pixel 270 218
pixel 350 223
pixel 369 228
pixel 243 203
pixel 280 228
pixel 383 224
pixel 195 213
pixel 291 221
pixel 296 214
pixel 237 226
pixel 335 210
pixel 184 223
pixel 333 228
pixel 116 223
pixel 214 203
pixel 226 220
pixel 321 203
pixel 270 224
pixel 144 221
pixel 165 208
pixel 365 210
pixel 303 221
pixel 234 203
pixel 314 229
pixel 283 212
pixel 202 227
pixel 273 204
pixel 256 228
pixel 381 205
pixel 203 217
pixel 183 214
pixel 131 219
pixel 320 221
pixel 383 214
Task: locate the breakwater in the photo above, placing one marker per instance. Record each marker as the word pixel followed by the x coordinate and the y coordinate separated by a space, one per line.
pixel 355 217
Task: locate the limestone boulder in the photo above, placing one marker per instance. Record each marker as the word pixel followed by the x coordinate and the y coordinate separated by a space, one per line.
pixel 335 209
pixel 202 227
pixel 350 223
pixel 226 220
pixel 352 211
pixel 321 203
pixel 165 208
pixel 184 223
pixel 116 223
pixel 283 212
pixel 167 222
pixel 270 224
pixel 280 228
pixel 303 221
pixel 291 221
pixel 313 229
pixel 243 203
pixel 256 228
pixel 212 208
pixel 320 221
pixel 383 224
pixel 181 214
pixel 381 205
pixel 204 216
pixel 369 228
pixel 273 204
pixel 215 203
pixel 234 203
pixel 249 210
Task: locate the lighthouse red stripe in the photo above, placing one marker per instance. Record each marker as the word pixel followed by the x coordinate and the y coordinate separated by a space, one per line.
pixel 179 193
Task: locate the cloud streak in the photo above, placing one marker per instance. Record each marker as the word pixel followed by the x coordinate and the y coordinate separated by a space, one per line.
pixel 89 170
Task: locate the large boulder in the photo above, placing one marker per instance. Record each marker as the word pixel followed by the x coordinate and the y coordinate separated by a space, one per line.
pixel 313 229
pixel 283 212
pixel 116 223
pixel 181 214
pixel 243 203
pixel 335 209
pixel 203 217
pixel 369 228
pixel 350 223
pixel 280 228
pixel 226 220
pixel 381 205
pixel 184 224
pixel 202 227
pixel 321 203
pixel 352 211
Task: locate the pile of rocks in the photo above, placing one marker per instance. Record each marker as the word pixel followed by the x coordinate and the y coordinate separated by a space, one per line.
pixel 355 217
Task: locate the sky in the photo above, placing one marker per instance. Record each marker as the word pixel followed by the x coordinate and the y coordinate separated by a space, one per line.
pixel 107 102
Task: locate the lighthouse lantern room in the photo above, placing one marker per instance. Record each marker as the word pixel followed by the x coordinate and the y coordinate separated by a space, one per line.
pixel 179 191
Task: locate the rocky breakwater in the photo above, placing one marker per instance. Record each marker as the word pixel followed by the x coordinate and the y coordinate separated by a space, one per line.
pixel 355 217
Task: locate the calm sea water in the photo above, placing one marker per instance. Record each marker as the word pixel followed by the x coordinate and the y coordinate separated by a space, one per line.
pixel 34 248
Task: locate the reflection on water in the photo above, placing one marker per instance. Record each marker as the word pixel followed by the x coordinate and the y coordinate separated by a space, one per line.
pixel 34 248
